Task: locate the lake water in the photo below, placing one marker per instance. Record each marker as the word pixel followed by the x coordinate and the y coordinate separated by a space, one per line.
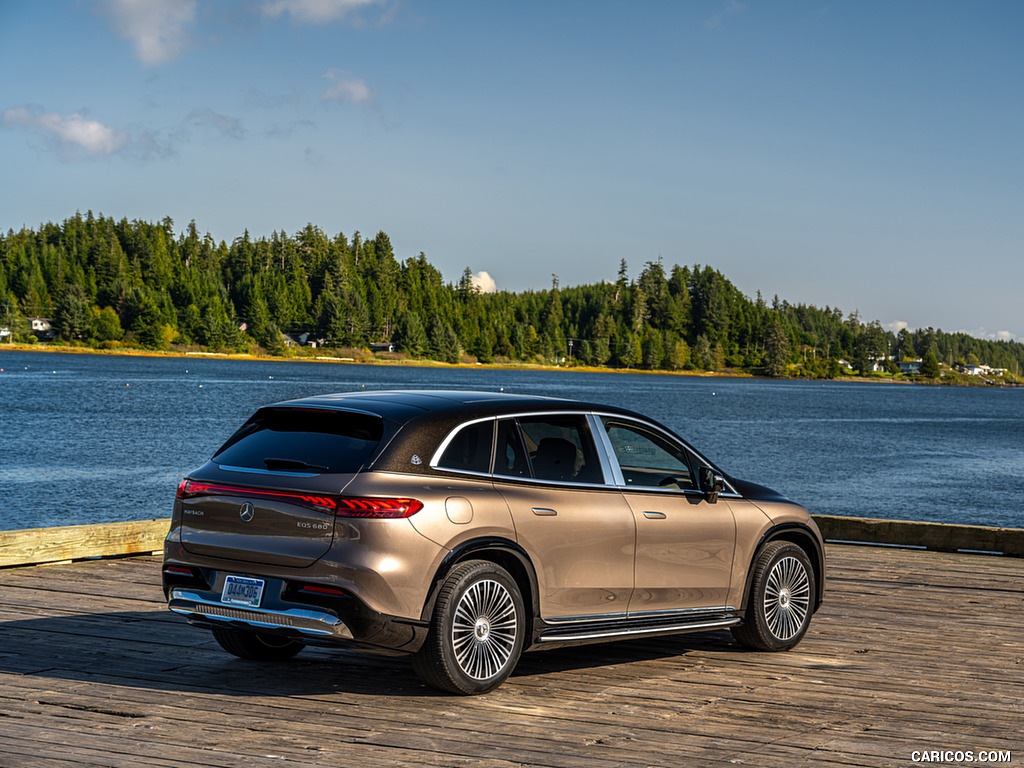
pixel 88 438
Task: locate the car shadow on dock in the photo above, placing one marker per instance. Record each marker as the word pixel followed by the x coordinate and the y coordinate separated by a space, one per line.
pixel 156 650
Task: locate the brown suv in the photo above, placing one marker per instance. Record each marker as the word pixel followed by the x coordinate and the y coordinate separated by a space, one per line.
pixel 463 528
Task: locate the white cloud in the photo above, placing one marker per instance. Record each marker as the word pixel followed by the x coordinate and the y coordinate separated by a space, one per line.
pixel 156 28
pixel 483 282
pixel 898 326
pixel 72 132
pixel 314 11
pixel 984 333
pixel 345 88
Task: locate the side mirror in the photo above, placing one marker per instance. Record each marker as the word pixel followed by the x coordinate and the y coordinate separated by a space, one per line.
pixel 711 483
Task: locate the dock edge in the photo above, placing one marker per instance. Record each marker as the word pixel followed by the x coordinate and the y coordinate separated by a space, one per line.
pixel 40 546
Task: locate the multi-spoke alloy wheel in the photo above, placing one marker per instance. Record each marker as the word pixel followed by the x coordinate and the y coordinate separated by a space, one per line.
pixel 780 600
pixel 787 598
pixel 477 631
pixel 484 629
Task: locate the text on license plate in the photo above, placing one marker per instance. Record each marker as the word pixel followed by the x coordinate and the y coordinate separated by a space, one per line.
pixel 240 590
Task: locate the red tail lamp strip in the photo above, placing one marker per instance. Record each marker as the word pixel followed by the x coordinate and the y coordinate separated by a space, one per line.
pixel 342 506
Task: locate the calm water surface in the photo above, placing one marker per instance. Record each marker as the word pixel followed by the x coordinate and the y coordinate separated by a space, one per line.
pixel 87 439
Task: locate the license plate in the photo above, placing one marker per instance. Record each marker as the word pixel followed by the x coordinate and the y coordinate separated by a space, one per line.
pixel 240 590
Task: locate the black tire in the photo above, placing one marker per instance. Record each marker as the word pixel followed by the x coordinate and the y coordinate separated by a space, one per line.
pixel 781 599
pixel 476 632
pixel 257 646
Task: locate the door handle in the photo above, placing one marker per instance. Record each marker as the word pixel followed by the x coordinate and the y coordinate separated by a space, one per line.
pixel 544 512
pixel 654 515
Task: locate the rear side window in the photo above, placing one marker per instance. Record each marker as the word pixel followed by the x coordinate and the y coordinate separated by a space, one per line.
pixel 560 448
pixel 303 440
pixel 470 449
pixel 510 456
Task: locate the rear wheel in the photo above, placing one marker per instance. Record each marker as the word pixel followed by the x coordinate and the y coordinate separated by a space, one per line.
pixel 256 646
pixel 476 632
pixel 780 600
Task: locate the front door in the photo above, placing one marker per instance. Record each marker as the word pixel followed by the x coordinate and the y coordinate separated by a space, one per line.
pixel 684 544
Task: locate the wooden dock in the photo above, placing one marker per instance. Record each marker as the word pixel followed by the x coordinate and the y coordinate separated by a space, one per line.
pixel 913 651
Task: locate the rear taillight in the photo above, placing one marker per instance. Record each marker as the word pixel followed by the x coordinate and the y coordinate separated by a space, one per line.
pixel 377 507
pixel 342 506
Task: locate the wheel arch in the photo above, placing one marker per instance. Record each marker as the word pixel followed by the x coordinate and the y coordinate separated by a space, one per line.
pixel 804 537
pixel 503 552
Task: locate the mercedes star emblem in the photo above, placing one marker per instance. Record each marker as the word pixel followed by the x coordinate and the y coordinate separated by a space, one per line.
pixel 247 511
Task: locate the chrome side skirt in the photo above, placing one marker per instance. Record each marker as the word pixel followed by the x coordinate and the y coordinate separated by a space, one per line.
pixel 586 628
pixel 199 610
pixel 675 614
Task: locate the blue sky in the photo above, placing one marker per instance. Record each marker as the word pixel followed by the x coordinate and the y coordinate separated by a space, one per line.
pixel 859 154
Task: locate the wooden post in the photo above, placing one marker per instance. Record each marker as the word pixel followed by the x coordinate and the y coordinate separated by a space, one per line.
pixel 34 546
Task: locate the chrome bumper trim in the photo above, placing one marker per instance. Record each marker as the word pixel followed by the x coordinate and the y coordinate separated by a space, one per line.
pixel 310 622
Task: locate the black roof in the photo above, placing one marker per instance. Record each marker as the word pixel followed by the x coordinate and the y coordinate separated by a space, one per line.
pixel 403 405
pixel 420 419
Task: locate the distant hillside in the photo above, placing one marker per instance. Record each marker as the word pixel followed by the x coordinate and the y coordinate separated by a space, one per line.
pixel 114 283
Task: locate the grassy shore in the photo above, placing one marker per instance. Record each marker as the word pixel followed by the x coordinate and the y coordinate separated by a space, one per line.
pixel 365 356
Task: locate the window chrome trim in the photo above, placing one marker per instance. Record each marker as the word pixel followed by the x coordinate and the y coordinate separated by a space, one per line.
pixel 435 460
pixel 583 415
pixel 610 469
pixel 606 450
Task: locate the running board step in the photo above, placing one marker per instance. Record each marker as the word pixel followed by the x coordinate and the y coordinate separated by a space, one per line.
pixel 635 628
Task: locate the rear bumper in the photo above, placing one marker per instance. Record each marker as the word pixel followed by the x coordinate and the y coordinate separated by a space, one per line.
pixel 327 621
pixel 300 621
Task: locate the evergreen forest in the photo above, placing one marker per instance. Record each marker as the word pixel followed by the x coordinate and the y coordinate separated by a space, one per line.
pixel 113 284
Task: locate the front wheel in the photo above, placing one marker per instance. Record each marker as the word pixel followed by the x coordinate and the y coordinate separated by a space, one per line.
pixel 256 646
pixel 781 595
pixel 476 632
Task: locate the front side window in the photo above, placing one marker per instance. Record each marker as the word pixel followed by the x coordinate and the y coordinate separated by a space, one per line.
pixel 648 459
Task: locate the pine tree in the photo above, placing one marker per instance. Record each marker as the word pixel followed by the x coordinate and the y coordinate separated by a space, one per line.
pixel 776 349
pixel 930 366
pixel 71 315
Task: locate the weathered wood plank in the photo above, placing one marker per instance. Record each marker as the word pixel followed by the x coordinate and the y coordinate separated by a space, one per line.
pixel 912 650
pixel 74 542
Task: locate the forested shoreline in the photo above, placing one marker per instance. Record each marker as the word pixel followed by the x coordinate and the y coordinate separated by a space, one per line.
pixel 115 284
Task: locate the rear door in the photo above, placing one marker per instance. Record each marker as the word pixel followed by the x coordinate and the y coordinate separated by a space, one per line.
pixel 579 531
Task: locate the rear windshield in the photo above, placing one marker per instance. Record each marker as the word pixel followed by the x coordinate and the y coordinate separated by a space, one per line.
pixel 303 440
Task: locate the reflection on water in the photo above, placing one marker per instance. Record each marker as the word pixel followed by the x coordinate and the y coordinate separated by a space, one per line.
pixel 87 438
